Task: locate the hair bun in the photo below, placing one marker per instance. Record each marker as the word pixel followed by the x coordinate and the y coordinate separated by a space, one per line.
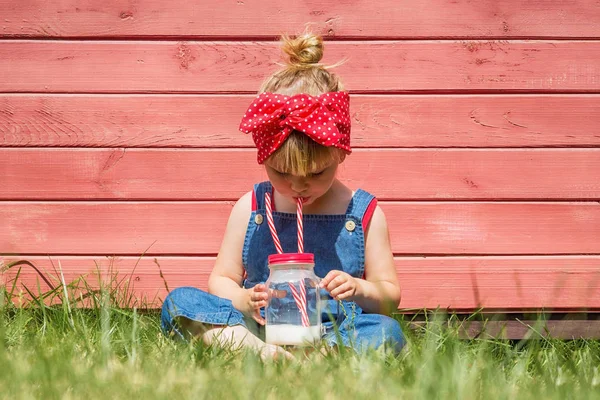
pixel 303 50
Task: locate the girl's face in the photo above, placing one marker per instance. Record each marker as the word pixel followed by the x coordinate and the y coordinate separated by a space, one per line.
pixel 309 187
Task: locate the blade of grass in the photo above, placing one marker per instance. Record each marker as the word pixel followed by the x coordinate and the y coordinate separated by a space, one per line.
pixel 66 296
pixel 25 262
pixel 160 273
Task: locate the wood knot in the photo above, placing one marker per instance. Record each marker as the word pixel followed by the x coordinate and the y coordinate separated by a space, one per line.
pixel 185 56
pixel 126 15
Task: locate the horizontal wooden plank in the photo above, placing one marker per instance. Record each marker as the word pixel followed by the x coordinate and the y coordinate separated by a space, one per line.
pixel 401 174
pixel 458 283
pixel 126 66
pixel 500 282
pixel 377 120
pixel 523 329
pixel 439 18
pixel 196 228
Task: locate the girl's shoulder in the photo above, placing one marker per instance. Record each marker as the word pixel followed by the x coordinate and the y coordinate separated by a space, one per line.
pixel 245 200
pixel 242 208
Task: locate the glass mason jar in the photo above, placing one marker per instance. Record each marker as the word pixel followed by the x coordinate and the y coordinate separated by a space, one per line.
pixel 293 312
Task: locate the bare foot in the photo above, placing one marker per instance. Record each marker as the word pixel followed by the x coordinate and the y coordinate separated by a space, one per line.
pixel 239 336
pixel 273 352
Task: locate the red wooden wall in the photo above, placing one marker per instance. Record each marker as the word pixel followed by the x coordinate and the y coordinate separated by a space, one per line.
pixel 476 124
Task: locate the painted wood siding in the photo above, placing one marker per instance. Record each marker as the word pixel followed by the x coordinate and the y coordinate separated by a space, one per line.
pixel 476 125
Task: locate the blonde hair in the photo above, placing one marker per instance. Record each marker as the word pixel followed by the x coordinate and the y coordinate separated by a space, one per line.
pixel 302 73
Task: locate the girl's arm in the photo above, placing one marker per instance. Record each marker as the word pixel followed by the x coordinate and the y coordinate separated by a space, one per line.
pixel 228 273
pixel 379 292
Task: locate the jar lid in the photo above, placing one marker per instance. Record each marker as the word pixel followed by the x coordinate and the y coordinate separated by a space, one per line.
pixel 292 258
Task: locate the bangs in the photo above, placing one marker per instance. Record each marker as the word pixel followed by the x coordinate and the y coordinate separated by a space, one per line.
pixel 301 156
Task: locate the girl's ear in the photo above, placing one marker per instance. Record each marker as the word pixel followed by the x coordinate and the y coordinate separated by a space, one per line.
pixel 342 157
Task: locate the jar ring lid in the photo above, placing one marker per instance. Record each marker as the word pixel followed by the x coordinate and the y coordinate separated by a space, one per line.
pixel 292 258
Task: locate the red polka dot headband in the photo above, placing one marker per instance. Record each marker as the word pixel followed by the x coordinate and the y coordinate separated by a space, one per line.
pixel 272 117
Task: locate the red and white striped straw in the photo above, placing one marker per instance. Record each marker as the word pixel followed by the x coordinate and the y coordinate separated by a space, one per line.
pixel 271 223
pixel 300 298
pixel 300 225
pixel 303 311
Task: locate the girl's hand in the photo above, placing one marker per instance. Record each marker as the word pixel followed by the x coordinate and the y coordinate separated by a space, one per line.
pixel 340 285
pixel 257 299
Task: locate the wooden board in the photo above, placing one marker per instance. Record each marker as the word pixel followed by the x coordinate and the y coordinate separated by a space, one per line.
pixel 500 282
pixel 363 18
pixel 524 329
pixel 208 67
pixel 377 120
pixel 458 283
pixel 401 174
pixel 196 228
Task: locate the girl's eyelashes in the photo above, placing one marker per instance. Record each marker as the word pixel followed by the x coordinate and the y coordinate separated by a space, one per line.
pixel 279 172
pixel 314 174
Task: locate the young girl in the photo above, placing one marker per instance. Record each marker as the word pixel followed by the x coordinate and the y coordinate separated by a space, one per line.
pixel 300 123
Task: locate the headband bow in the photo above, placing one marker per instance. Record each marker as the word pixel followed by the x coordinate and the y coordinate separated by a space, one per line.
pixel 271 118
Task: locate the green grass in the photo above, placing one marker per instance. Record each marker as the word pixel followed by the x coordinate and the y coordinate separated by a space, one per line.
pixel 105 351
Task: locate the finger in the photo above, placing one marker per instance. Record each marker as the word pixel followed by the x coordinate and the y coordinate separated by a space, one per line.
pixel 339 289
pixel 259 296
pixel 345 295
pixel 336 282
pixel 328 278
pixel 259 304
pixel 325 281
pixel 258 318
pixel 260 288
pixel 278 294
pixel 256 293
pixel 344 288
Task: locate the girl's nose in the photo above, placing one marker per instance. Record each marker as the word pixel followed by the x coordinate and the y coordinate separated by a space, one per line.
pixel 298 184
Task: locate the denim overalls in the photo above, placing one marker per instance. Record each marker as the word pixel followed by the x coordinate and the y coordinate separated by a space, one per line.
pixel 337 242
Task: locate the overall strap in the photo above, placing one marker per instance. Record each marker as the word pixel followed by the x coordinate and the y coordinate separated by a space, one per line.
pixel 258 195
pixel 362 206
